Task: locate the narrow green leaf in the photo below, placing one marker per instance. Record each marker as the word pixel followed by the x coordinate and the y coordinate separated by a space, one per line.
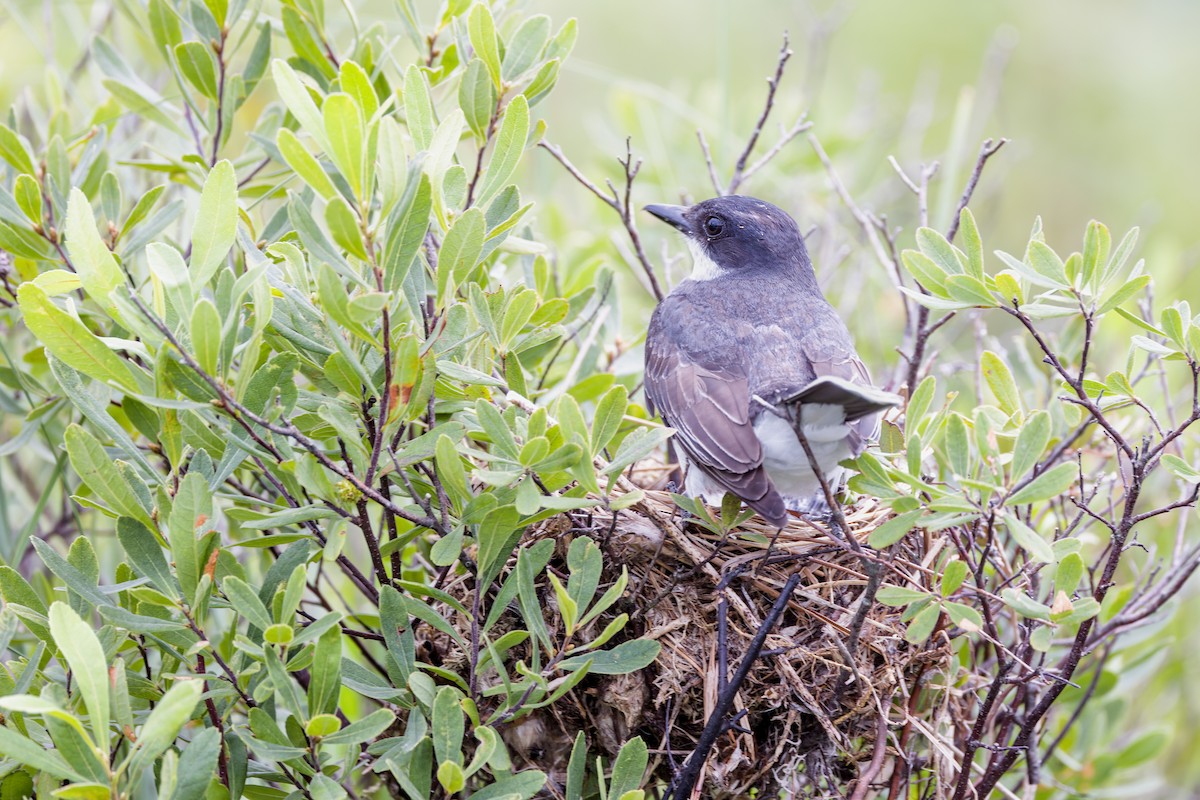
pixel 482 31
pixel 197 765
pixel 206 335
pixel 304 163
pixel 923 624
pixel 894 529
pixel 215 226
pixel 89 668
pixel 953 576
pixel 1030 445
pixel 190 514
pixel 1047 264
pixel 69 340
pixel 477 98
pixel 364 730
pixel 296 97
pixel 347 139
pixel 935 245
pixel 245 602
pixel 897 596
pixel 1000 381
pixel 95 263
pixel 13 150
pixel 1049 484
pixel 199 66
pixel 326 672
pixel 972 243
pixel 460 253
pixel 629 768
pixel 510 145
pixel 1029 540
pixel 418 108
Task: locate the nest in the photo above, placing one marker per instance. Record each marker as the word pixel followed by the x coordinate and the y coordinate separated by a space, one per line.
pixel 818 690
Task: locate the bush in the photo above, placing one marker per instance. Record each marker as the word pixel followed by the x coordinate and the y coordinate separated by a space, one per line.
pixel 341 458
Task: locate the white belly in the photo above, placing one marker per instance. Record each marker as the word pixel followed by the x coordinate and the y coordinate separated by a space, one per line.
pixel 786 462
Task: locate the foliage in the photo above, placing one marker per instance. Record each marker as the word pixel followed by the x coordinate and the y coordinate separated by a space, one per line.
pixel 296 370
pixel 281 350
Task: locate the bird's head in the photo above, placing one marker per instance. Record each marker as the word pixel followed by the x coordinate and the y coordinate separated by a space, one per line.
pixel 737 234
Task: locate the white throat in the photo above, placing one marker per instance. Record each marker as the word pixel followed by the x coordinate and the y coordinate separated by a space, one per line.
pixel 703 267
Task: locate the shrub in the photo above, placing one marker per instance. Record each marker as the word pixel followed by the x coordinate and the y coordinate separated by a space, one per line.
pixel 342 462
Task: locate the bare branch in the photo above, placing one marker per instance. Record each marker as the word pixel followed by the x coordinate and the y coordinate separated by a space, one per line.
pixel 785 52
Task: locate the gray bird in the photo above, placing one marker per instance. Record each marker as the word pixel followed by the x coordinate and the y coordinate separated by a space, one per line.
pixel 751 322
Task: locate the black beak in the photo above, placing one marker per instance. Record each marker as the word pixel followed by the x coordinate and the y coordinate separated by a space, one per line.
pixel 672 215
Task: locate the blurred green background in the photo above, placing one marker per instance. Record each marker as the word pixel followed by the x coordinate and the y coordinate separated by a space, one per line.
pixel 1100 101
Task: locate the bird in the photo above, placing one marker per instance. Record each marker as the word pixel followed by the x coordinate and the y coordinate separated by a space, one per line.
pixel 745 337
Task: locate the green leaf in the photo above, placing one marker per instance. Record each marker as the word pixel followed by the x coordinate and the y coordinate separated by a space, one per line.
pixel 1181 468
pixel 89 668
pixel 1049 484
pixel 304 163
pixel 637 446
pixel 13 150
pixel 510 145
pixel 450 470
pixel 623 659
pixel 95 263
pixel 298 101
pixel 347 141
pixel 1047 264
pixel 923 624
pixel 894 529
pixel 1096 244
pixel 610 412
pixel 958 445
pixel 69 340
pixel 953 576
pixel 1024 604
pixel 964 616
pixel 197 765
pixel 460 253
pixel 1000 381
pixel 1029 540
pixel 972 243
pixel 447 725
pixel 357 83
pixel 23 751
pixel 936 247
pixel 93 464
pixel 145 554
pixel 899 596
pixel 1030 445
pixel 967 289
pixel 477 98
pixel 406 228
pixel 498 534
pixel 326 672
pixel 206 335
pixel 1069 573
pixel 525 46
pixel 190 514
pixel 199 65
pixel 418 108
pixel 364 730
pixel 629 768
pixel 482 31
pixel 215 226
pixel 245 602
pixel 170 714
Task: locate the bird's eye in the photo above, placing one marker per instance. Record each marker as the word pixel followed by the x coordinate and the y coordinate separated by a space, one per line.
pixel 714 226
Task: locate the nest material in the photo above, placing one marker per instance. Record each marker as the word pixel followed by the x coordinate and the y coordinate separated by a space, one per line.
pixel 808 701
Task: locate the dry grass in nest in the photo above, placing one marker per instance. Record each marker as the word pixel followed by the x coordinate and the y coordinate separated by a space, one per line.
pixel 808 703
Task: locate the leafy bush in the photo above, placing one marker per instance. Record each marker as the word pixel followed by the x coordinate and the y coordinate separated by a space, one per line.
pixel 293 368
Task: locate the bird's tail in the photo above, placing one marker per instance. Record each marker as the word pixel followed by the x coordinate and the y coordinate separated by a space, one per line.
pixel 858 399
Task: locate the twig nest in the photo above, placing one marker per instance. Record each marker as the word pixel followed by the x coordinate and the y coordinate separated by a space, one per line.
pixel 806 700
